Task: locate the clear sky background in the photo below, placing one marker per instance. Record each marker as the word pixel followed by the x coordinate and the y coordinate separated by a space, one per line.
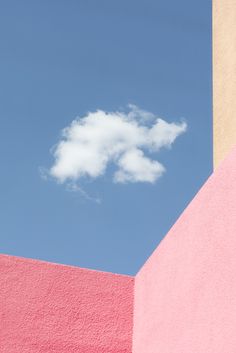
pixel 60 59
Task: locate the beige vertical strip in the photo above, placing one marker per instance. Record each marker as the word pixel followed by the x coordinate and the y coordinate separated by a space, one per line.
pixel 224 78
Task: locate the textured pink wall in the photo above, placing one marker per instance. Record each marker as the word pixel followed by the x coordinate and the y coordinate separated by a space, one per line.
pixel 185 294
pixel 52 308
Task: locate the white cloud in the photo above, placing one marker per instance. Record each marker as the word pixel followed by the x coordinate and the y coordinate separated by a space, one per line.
pixel 101 138
pixel 135 167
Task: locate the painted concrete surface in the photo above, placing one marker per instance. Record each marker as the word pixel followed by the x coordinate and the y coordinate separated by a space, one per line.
pixel 185 294
pixel 224 77
pixel 52 308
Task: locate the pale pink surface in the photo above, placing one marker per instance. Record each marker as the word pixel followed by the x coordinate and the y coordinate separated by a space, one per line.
pixel 185 295
pixel 49 308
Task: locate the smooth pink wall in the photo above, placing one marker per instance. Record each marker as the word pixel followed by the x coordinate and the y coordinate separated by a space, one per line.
pixel 52 308
pixel 185 295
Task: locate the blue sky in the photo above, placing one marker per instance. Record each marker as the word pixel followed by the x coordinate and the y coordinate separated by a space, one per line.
pixel 62 59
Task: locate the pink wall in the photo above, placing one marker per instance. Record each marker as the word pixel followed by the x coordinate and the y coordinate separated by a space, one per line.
pixel 52 308
pixel 185 294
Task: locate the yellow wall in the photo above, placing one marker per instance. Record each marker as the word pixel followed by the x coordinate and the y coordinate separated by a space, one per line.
pixel 224 77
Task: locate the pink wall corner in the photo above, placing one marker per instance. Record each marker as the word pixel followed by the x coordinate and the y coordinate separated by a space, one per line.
pixel 60 309
pixel 185 294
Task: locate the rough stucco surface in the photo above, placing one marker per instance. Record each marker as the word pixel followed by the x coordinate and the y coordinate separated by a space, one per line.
pixel 224 77
pixel 185 294
pixel 52 308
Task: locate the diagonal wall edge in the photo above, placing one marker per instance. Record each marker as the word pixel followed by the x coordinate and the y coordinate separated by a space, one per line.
pixel 185 294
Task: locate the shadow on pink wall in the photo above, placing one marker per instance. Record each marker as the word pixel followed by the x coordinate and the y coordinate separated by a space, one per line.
pixel 49 308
